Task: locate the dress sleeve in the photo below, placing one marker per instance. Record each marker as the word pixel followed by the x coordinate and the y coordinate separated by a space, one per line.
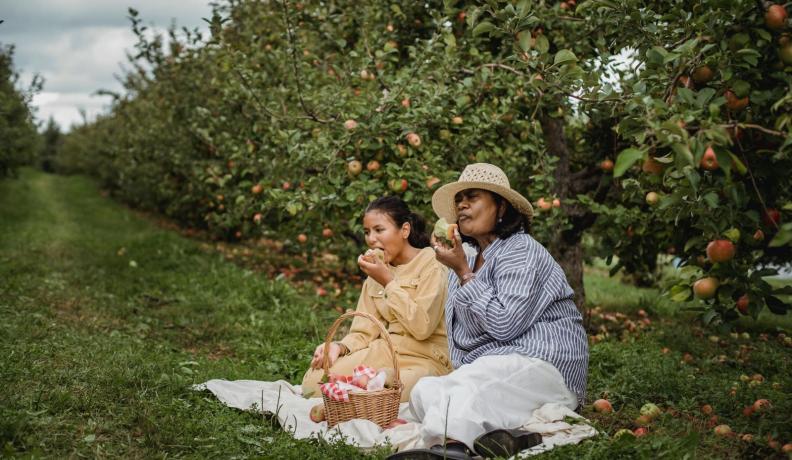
pixel 363 331
pixel 509 305
pixel 420 315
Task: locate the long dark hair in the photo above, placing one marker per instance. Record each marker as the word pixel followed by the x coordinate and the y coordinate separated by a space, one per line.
pixel 399 213
pixel 512 221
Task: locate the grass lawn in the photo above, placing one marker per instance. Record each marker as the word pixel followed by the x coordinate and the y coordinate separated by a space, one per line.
pixel 107 319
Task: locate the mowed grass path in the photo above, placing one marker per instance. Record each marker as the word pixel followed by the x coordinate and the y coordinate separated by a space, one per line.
pixel 106 321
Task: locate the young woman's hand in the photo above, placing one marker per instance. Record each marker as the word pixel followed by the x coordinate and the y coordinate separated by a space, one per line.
pixel 452 257
pixel 375 269
pixel 318 357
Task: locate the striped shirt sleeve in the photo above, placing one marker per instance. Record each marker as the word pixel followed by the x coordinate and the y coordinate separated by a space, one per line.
pixel 509 306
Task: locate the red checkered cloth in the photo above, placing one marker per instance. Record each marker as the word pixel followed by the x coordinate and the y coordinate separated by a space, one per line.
pixel 339 386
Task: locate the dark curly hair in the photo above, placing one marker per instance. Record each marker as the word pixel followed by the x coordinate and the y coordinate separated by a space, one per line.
pixel 400 213
pixel 512 221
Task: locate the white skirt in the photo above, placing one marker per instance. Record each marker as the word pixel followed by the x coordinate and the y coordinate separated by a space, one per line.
pixel 490 393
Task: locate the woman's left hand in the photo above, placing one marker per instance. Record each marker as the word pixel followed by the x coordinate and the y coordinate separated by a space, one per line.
pixel 375 269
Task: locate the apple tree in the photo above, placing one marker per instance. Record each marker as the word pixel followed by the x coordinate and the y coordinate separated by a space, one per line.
pixel 17 128
pixel 647 127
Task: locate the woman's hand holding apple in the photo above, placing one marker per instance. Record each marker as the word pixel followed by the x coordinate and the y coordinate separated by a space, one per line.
pixel 375 269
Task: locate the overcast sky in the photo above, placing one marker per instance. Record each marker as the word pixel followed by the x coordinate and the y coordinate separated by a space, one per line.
pixel 79 45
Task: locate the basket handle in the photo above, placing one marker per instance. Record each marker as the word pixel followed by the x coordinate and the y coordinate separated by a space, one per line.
pixel 383 332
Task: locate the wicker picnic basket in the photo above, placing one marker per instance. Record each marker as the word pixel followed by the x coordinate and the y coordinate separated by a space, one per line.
pixel 381 407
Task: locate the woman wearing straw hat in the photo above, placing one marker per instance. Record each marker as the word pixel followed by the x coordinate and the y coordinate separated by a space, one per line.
pixel 516 338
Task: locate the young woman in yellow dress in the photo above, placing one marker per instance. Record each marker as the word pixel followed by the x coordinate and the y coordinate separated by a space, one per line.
pixel 406 292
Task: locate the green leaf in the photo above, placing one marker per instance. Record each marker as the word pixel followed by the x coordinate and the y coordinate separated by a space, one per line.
pixel 626 158
pixel 680 293
pixel 741 88
pixel 693 177
pixel 693 242
pixel 783 237
pixel 738 165
pixel 784 290
pixel 563 57
pixel 524 40
pixel 683 154
pixel 708 317
pixel 711 199
pixel 484 27
pixel 776 305
pixel 542 45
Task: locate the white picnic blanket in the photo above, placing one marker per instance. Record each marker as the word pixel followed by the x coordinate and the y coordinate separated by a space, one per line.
pixel 287 403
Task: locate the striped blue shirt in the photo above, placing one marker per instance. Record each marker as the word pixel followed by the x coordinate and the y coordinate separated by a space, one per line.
pixel 519 302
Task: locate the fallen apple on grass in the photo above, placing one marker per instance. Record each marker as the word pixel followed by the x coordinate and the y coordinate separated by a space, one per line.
pixel 602 406
pixel 650 410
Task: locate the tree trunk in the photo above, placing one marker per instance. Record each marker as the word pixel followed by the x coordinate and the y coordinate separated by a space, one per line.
pixel 565 245
pixel 570 257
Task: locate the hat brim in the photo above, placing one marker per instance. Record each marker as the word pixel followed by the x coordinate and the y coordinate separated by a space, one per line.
pixel 443 198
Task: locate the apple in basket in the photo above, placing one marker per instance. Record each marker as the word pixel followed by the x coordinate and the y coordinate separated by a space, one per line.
pixel 361 381
pixel 318 414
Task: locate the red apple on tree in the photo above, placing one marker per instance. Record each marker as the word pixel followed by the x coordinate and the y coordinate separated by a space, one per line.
pixel 302 238
pixel 398 185
pixel 606 165
pixel 702 74
pixel 771 217
pixel 705 287
pixel 327 232
pixel 413 139
pixel 742 304
pixel 257 217
pixel 719 251
pixel 373 165
pixel 257 189
pixel 432 181
pixel 652 166
pixel 350 124
pixel 286 185
pixel 709 161
pixel 734 103
pixel 775 17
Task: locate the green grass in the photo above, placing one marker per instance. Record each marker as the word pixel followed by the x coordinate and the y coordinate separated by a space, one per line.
pixel 106 320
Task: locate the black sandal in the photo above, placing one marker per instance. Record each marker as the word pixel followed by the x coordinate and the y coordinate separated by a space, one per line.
pixel 505 443
pixel 452 451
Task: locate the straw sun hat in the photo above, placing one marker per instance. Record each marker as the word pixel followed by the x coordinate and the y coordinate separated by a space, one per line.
pixel 478 175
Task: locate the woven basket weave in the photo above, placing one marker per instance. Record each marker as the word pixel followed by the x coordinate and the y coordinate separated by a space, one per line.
pixel 380 407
